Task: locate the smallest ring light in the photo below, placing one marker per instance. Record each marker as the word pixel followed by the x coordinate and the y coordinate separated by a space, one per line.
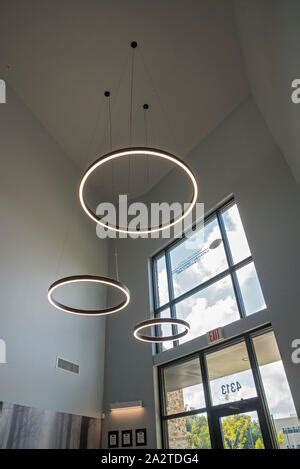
pixel 91 279
pixel 157 322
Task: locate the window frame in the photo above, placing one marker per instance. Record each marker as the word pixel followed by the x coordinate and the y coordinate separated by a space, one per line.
pixel 231 271
pixel 210 410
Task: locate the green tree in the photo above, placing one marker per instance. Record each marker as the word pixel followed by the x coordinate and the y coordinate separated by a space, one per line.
pixel 253 434
pixel 280 438
pixel 239 432
pixel 198 433
pixel 235 429
pixel 259 444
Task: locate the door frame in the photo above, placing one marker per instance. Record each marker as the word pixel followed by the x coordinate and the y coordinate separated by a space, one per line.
pixel 239 407
pixel 270 440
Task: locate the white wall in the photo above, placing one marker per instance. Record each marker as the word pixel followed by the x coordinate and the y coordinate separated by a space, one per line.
pixel 240 158
pixel 269 35
pixel 38 185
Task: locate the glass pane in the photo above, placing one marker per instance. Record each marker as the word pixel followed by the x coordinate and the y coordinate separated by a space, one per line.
pixel 250 288
pixel 215 306
pixel 198 258
pixel 235 233
pixel 277 391
pixel 242 431
pixel 190 432
pixel 164 329
pixel 162 281
pixel 230 374
pixel 183 387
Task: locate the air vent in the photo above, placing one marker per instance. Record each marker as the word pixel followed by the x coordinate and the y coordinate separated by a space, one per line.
pixel 67 366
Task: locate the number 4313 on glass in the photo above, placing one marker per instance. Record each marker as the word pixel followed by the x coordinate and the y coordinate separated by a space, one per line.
pixel 231 387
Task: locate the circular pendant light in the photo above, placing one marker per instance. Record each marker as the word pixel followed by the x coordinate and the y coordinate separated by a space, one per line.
pixel 158 322
pixel 91 279
pixel 136 151
pixel 118 286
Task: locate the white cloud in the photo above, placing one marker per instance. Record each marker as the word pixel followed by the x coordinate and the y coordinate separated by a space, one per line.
pixel 277 390
pixel 203 317
pixel 236 235
pixel 163 287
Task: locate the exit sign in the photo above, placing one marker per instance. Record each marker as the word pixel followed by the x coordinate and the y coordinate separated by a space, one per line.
pixel 215 335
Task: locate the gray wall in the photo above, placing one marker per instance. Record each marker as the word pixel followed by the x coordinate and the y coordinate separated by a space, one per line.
pixel 269 35
pixel 240 158
pixel 40 214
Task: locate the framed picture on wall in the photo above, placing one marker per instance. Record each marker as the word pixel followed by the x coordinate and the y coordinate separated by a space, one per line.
pixel 113 439
pixel 126 438
pixel 140 437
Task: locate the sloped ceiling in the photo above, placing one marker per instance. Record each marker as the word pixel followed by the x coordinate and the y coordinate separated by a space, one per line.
pixel 270 38
pixel 61 55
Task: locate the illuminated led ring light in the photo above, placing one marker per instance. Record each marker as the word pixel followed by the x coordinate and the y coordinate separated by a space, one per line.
pixel 91 279
pixel 157 322
pixel 137 151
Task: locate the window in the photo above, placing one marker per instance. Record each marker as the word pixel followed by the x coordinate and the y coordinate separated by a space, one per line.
pixel 180 432
pixel 209 308
pixel 230 375
pixel 234 395
pixel 277 391
pixel 186 426
pixel 210 279
pixel 183 387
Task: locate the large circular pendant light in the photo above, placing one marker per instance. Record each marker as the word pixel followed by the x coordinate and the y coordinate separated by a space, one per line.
pixel 136 151
pixel 115 284
pixel 90 279
pixel 158 322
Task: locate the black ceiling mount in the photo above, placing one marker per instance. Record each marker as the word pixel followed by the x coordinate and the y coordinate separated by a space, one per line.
pixel 133 44
pixel 146 106
pixel 107 93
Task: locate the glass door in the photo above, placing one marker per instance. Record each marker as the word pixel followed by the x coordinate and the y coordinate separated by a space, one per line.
pixel 238 419
pixel 241 425
pixel 234 395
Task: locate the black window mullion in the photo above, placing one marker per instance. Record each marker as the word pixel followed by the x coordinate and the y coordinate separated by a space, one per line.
pixel 158 347
pixel 234 279
pixel 238 294
pixel 155 283
pixel 171 294
pixel 162 400
pixel 186 413
pixel 207 396
pixel 169 275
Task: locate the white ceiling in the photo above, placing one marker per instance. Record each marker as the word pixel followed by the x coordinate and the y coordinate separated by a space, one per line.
pixel 61 55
